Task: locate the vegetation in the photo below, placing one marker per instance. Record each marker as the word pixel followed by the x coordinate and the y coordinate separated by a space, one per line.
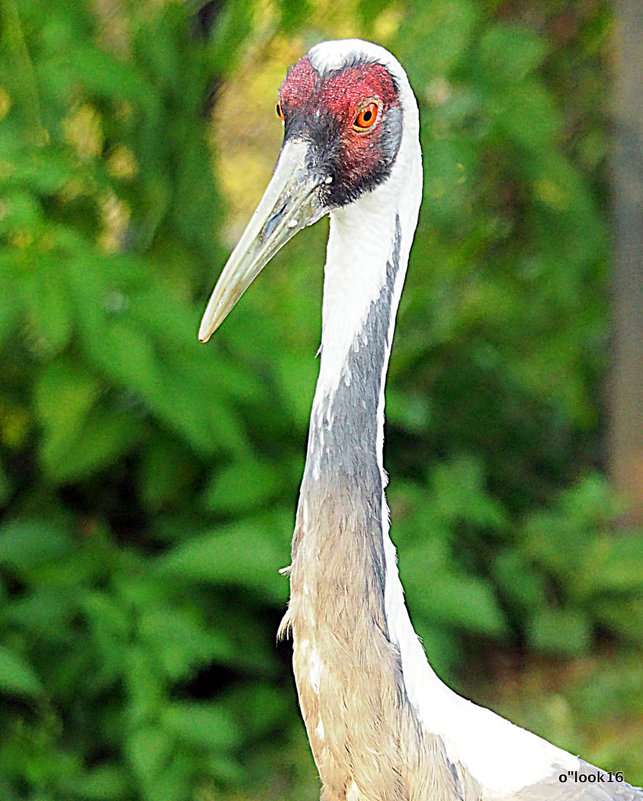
pixel 147 483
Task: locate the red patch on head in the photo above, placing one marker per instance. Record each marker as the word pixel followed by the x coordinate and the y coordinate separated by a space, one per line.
pixel 342 92
pixel 299 83
pixel 352 86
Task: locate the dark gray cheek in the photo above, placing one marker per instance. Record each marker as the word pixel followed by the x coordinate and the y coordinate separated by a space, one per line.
pixel 329 154
pixel 322 134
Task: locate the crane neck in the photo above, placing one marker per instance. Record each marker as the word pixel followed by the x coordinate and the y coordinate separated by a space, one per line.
pixel 347 612
pixel 366 260
pixel 360 303
pixel 342 509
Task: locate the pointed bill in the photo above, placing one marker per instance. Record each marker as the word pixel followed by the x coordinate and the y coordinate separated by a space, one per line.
pixel 290 202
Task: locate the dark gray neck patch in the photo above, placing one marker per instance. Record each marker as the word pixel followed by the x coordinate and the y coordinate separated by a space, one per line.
pixel 342 469
pixel 342 443
pixel 342 456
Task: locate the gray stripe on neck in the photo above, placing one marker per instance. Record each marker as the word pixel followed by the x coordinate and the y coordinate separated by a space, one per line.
pixel 342 455
pixel 343 435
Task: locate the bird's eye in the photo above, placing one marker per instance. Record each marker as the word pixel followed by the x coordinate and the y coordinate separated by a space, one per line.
pixel 366 116
pixel 280 112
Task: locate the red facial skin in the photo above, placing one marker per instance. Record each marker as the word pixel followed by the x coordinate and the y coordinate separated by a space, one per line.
pixel 344 93
pixel 324 109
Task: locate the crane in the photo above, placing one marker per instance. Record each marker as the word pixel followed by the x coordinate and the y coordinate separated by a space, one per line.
pixel 382 725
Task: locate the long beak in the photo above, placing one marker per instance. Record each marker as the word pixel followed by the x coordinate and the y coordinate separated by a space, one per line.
pixel 290 202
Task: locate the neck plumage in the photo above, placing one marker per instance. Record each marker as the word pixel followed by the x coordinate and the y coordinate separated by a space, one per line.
pixel 342 502
pixel 347 420
pixel 345 591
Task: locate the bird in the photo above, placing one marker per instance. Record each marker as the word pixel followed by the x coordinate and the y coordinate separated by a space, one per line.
pixel 381 724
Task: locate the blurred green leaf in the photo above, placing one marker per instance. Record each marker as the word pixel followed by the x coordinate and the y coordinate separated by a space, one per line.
pixel 448 25
pixel 215 557
pixel 520 582
pixel 613 564
pixel 411 413
pixel 293 13
pixel 50 311
pixel 465 602
pixel 104 783
pixel 180 642
pixel 64 396
pixel 204 725
pixel 27 544
pixel 509 53
pixel 149 749
pixel 242 486
pixel 46 612
pixel 525 115
pixel 622 616
pixel 16 675
pixel 258 709
pixel 104 436
pixel 560 631
pixel 166 471
pixel 146 695
pixel 99 72
pixel 459 493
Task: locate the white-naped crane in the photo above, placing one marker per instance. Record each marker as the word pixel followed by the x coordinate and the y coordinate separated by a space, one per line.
pixel 382 725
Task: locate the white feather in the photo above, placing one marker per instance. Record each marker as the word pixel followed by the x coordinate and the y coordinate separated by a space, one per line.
pixel 353 793
pixel 319 731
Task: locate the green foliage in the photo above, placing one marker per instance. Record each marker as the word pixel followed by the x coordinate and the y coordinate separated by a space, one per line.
pixel 147 483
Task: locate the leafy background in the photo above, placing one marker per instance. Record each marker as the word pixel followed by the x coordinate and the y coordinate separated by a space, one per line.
pixel 147 483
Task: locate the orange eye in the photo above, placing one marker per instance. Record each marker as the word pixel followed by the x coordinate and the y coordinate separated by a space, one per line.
pixel 366 116
pixel 280 112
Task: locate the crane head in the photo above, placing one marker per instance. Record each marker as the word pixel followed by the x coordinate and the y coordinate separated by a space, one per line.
pixel 342 107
